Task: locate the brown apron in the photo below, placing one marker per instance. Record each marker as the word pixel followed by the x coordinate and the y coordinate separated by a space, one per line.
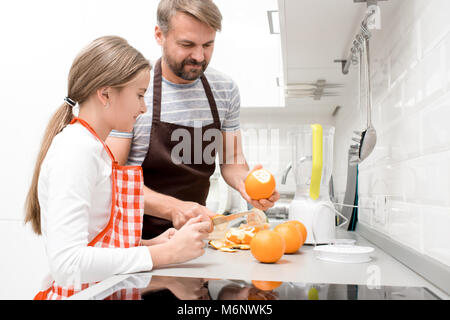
pixel 186 182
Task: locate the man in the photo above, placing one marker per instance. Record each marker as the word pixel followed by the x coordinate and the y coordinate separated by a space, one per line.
pixel 188 97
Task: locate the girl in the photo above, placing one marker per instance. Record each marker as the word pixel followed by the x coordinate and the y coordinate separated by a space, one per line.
pixel 87 207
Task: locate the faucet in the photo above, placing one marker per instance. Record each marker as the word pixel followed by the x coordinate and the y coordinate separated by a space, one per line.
pixel 289 167
pixel 286 171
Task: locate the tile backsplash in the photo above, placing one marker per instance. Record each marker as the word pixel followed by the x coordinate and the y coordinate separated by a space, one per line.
pixel 404 185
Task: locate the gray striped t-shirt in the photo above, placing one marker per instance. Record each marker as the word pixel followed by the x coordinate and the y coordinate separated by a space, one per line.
pixel 187 105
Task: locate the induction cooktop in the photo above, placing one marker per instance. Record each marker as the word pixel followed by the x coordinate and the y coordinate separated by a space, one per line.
pixel 146 286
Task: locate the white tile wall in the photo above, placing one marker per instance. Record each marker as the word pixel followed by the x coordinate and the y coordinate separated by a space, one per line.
pixel 435 123
pixel 434 24
pixel 435 233
pixel 404 53
pixel 408 174
pixel 405 223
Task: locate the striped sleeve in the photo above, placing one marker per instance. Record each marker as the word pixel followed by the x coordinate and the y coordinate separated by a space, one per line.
pixel 119 134
pixel 232 121
pixel 141 140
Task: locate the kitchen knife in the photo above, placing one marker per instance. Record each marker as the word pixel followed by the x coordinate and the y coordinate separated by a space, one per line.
pixel 219 219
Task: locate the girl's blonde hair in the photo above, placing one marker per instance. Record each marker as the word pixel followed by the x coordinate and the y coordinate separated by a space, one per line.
pixel 106 62
pixel 205 11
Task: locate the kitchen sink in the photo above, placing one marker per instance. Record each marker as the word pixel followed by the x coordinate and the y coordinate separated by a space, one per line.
pixel 280 211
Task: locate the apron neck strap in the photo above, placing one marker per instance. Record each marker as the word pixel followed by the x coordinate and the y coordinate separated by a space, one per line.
pixel 91 130
pixel 157 91
pixel 211 100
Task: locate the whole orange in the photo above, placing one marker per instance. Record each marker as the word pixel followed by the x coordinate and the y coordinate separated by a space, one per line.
pixel 300 226
pixel 267 246
pixel 291 235
pixel 260 184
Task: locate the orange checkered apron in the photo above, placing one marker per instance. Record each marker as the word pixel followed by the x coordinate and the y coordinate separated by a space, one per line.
pixel 124 228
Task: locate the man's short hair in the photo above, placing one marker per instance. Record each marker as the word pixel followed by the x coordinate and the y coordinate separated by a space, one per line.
pixel 205 11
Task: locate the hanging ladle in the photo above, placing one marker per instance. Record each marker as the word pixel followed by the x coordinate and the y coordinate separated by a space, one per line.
pixel 368 138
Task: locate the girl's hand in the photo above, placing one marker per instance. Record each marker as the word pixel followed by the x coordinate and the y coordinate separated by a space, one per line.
pixel 162 238
pixel 187 243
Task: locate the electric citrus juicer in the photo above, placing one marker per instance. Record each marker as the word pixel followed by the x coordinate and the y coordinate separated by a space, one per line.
pixel 312 163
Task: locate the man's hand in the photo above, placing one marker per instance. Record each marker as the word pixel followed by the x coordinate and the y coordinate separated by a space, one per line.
pixel 234 170
pixel 182 211
pixel 262 204
pixel 179 212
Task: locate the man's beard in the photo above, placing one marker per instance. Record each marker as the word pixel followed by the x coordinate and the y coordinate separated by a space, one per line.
pixel 178 68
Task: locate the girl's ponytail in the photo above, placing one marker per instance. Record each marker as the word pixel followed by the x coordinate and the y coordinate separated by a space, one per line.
pixel 58 122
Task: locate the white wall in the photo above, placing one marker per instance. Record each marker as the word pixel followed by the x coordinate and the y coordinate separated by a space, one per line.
pixel 410 166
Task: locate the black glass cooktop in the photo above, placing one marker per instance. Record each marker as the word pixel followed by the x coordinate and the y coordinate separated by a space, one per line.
pixel 145 286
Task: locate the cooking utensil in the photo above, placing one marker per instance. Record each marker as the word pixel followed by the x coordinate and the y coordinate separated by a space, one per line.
pixel 351 188
pixel 368 137
pixel 254 217
pixel 354 217
pixel 224 219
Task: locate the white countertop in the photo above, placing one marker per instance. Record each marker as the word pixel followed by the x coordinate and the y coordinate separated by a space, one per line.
pixel 301 267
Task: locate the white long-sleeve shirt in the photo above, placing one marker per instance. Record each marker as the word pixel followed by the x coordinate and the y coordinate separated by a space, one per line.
pixel 74 192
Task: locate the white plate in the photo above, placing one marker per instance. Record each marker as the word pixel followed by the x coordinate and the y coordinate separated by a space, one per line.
pixel 343 254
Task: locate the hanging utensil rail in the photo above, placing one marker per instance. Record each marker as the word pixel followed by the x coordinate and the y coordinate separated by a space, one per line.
pixel 370 21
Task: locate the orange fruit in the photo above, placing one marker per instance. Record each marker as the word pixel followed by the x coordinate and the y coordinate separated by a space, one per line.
pixel 265 226
pixel 241 235
pixel 260 184
pixel 300 226
pixel 266 285
pixel 267 246
pixel 257 228
pixel 291 235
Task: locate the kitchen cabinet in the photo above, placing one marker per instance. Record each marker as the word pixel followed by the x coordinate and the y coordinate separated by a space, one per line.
pixel 248 52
